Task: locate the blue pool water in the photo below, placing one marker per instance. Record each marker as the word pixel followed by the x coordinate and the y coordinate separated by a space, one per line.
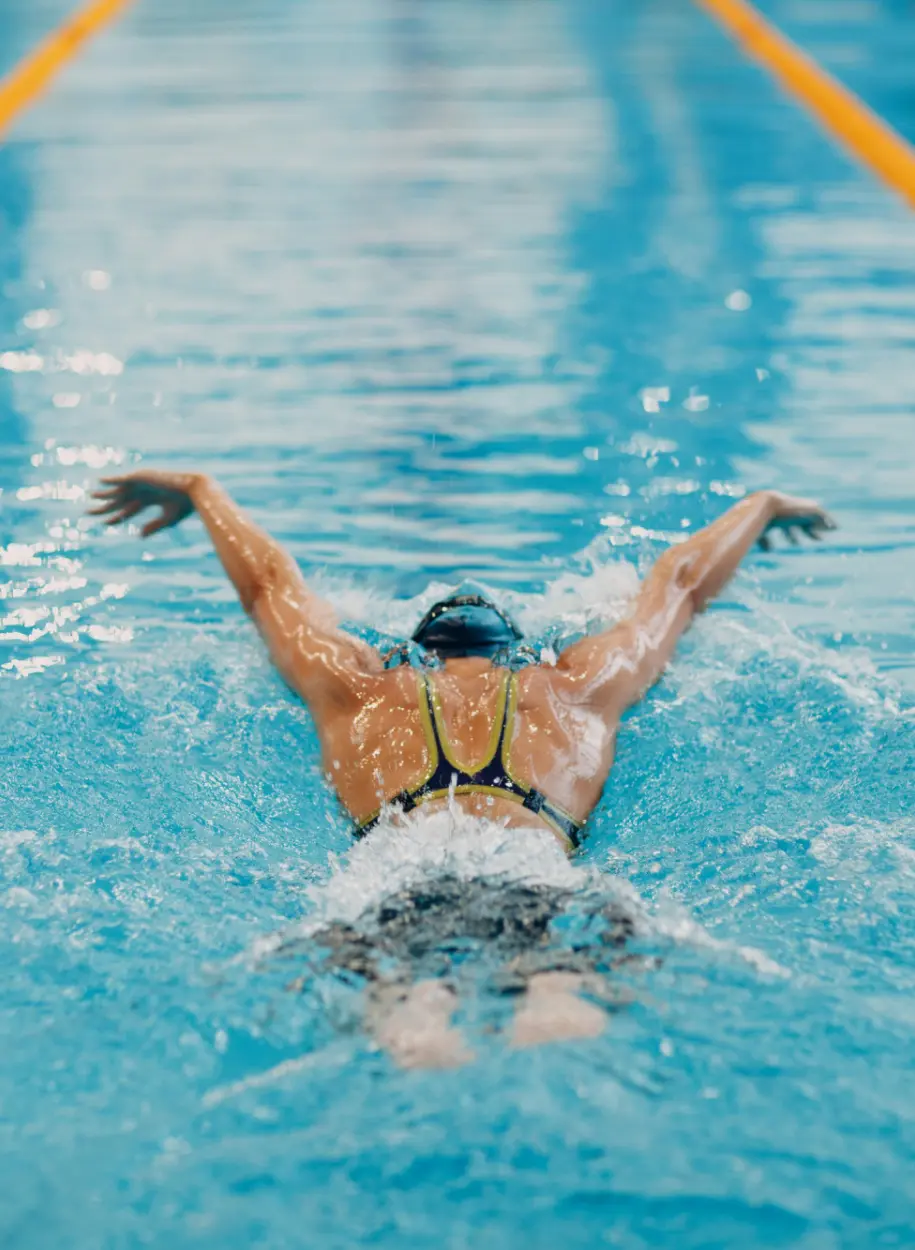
pixel 519 290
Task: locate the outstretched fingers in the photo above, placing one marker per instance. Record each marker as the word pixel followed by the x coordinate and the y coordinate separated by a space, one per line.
pixel 124 513
pixel 161 522
pixel 812 525
pixel 816 523
pixel 111 500
pixel 816 527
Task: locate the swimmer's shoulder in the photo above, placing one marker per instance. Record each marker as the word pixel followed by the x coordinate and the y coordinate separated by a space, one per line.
pixel 569 684
pixel 394 687
pixel 543 682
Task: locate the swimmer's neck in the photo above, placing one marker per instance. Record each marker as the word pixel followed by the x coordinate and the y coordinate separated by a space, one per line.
pixel 467 667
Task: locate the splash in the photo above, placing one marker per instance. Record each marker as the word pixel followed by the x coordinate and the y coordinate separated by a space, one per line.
pixel 873 859
pixel 449 843
pixel 735 641
pixel 593 596
pixel 671 920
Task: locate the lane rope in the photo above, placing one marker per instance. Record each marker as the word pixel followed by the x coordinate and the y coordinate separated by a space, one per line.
pixel 858 129
pixel 35 72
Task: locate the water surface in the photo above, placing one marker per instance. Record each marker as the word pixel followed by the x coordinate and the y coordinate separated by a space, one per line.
pixel 521 291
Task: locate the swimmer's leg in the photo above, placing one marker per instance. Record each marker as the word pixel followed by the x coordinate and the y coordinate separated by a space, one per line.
pixel 413 1024
pixel 552 1010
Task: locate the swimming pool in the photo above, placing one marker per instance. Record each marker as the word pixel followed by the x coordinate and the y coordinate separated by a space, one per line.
pixel 521 291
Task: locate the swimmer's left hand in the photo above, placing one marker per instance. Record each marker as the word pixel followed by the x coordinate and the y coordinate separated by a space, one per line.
pixel 796 518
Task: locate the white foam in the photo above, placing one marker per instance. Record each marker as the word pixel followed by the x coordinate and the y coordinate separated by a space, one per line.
pixel 451 843
pixel 875 858
pixel 732 641
pixel 671 920
pixel 592 597
pixel 443 843
pixel 275 1075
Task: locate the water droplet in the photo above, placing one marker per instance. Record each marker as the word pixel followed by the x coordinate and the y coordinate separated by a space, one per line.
pixel 739 301
pixel 41 318
pixel 97 279
pixel 653 397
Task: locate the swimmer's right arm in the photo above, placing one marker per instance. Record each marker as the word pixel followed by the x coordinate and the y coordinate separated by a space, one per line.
pixel 614 669
pixel 300 629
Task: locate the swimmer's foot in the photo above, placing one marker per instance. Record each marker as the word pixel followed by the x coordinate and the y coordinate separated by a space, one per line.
pixel 414 1026
pixel 552 1011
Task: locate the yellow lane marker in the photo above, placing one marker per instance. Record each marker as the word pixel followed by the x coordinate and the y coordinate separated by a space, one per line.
pixel 35 71
pixel 864 134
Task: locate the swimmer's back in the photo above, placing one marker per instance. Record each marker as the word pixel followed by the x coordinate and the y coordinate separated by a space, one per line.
pixel 376 745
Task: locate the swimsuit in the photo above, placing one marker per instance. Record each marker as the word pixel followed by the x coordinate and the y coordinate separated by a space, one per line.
pixel 445 775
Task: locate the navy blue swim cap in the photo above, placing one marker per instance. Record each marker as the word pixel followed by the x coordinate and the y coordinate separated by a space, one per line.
pixel 466 623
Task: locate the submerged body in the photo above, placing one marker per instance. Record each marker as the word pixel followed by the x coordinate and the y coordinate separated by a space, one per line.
pixel 531 749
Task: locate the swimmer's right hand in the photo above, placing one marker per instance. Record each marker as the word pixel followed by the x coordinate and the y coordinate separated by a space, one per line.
pixel 794 517
pixel 126 496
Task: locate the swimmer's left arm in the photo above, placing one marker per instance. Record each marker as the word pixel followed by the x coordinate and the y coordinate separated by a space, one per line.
pixel 300 629
pixel 613 670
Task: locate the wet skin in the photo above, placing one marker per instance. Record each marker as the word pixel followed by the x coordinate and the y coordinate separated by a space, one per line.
pixel 368 718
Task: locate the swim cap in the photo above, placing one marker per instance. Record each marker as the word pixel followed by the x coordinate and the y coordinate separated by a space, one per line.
pixel 466 623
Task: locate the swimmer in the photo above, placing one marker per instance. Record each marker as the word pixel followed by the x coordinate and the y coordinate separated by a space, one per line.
pixel 530 748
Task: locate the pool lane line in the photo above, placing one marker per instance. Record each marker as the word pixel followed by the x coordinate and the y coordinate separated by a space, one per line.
pixel 847 118
pixel 36 70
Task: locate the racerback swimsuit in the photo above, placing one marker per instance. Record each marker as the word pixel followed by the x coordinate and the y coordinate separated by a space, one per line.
pixel 445 775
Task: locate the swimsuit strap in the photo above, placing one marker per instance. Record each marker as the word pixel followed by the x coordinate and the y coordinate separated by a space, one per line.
pixel 433 724
pixel 534 800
